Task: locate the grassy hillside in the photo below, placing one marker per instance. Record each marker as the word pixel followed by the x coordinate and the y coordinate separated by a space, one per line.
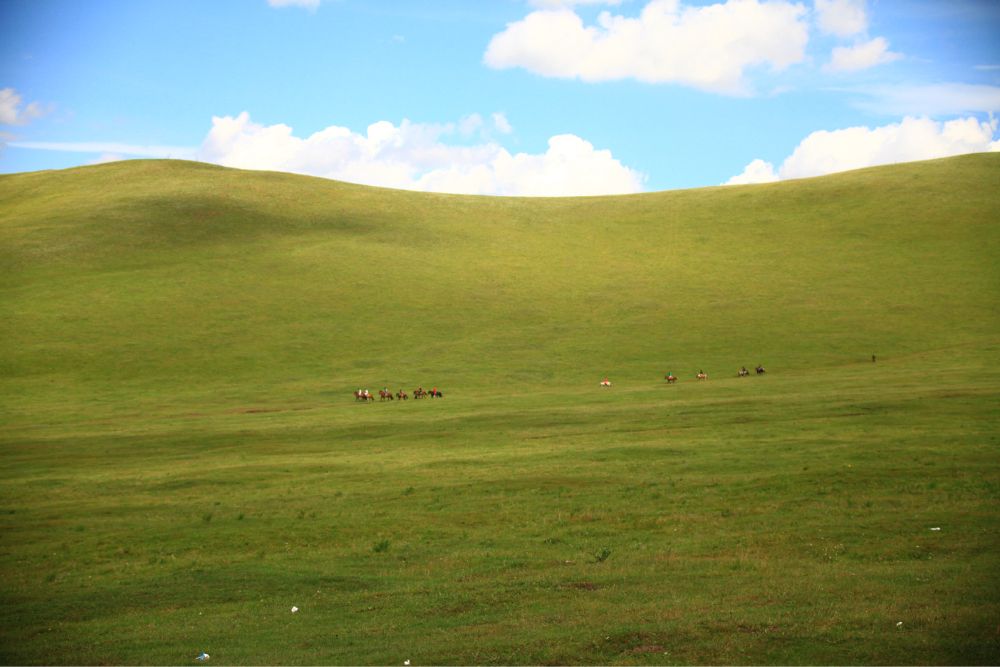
pixel 178 275
pixel 183 460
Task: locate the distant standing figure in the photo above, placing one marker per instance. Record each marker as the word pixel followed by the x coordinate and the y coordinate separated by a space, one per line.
pixel 873 358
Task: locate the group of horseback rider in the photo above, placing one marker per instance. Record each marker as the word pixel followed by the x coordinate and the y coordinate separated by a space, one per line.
pixel 420 392
pixel 386 395
pixel 743 372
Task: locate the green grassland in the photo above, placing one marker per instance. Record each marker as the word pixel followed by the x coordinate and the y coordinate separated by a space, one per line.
pixel 182 460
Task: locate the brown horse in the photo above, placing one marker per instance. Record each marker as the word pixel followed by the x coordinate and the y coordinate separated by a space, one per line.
pixel 362 396
pixel 702 376
pixel 384 395
pixel 419 393
pixel 435 393
pixel 670 378
pixel 401 395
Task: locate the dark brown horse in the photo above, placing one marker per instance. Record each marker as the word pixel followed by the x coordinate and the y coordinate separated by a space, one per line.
pixel 384 395
pixel 435 393
pixel 401 395
pixel 670 378
pixel 419 393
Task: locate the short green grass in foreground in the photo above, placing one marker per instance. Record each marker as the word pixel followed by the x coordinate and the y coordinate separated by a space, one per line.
pixel 183 462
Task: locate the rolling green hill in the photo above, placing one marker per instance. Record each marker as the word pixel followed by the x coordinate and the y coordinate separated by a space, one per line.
pixel 177 275
pixel 183 460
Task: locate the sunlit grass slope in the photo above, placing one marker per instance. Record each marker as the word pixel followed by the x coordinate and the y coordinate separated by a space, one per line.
pixel 181 459
pixel 172 276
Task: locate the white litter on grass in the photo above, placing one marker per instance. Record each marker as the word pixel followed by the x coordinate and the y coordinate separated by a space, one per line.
pixel 938 528
pixel 899 625
pixel 406 662
pixel 294 609
pixel 203 657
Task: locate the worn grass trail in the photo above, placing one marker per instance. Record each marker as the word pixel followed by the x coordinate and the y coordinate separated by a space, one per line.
pixel 182 462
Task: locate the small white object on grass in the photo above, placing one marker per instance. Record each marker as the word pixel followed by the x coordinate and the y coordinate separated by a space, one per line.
pixel 899 625
pixel 406 662
pixel 294 609
pixel 203 657
pixel 938 528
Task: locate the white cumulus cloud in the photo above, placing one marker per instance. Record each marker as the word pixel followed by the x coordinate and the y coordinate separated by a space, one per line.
pixel 758 171
pixel 13 113
pixel 707 47
pixel 842 18
pixel 861 56
pixel 417 156
pixel 913 138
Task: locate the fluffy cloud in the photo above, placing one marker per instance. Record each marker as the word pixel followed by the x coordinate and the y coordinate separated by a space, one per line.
pixel 707 47
pixel 501 123
pixel 757 171
pixel 861 56
pixel 11 111
pixel 842 18
pixel 826 152
pixel 416 156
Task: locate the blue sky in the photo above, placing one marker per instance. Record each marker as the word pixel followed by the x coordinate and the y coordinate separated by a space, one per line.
pixel 509 97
